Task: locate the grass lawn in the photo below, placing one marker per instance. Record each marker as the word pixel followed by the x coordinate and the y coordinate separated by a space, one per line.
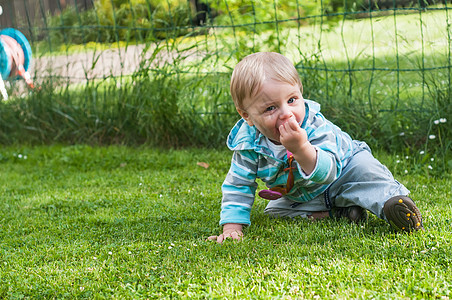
pixel 118 222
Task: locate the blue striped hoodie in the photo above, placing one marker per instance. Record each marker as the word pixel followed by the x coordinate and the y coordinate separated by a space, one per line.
pixel 253 159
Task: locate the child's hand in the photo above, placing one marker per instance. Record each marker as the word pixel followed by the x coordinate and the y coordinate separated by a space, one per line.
pixel 295 139
pixel 292 136
pixel 233 231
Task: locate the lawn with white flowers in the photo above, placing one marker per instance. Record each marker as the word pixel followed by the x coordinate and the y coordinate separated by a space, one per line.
pixel 119 222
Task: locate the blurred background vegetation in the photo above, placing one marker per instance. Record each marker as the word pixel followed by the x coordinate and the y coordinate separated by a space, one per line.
pixel 157 72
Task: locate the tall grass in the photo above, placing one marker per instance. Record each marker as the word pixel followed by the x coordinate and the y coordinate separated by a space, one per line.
pixel 146 109
pixel 161 107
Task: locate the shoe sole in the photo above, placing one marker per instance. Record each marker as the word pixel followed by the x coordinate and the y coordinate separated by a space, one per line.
pixel 403 214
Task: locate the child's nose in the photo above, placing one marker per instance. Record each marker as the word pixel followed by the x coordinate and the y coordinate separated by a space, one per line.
pixel 286 113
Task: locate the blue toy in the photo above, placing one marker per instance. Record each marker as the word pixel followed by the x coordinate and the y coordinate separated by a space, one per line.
pixel 15 58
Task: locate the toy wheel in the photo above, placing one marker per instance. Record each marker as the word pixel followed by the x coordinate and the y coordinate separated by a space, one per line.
pixel 22 41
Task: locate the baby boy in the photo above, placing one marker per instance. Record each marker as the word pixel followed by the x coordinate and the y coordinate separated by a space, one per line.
pixel 311 167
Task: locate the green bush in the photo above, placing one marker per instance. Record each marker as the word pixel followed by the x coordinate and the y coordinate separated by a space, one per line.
pixel 138 20
pixel 120 20
pixel 75 27
pixel 172 22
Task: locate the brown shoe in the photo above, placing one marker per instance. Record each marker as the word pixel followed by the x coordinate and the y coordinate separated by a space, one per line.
pixel 403 214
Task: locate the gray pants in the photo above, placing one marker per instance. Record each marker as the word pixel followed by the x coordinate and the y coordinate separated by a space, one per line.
pixel 364 182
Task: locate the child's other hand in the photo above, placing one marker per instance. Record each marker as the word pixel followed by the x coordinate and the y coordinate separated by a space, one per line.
pixel 233 231
pixel 292 136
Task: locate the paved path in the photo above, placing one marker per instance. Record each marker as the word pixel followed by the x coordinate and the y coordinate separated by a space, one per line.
pixel 113 62
pixel 89 65
pixel 82 67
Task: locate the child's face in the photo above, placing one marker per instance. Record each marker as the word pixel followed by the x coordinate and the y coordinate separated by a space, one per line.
pixel 274 105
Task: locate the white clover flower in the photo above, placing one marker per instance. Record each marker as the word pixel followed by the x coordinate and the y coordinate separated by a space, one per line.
pixel 397 161
pixel 169 247
pixel 430 167
pixel 94 257
pixel 402 133
pixel 130 252
pixel 422 152
pixel 432 136
pixel 432 159
pixel 109 252
pixel 25 157
pixel 436 122
pixel 406 157
pixel 443 120
pixel 19 155
pixel 406 171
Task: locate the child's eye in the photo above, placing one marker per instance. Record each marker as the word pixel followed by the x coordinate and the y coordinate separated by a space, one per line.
pixel 270 108
pixel 291 100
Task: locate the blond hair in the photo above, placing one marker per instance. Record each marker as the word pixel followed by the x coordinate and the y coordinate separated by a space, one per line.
pixel 251 72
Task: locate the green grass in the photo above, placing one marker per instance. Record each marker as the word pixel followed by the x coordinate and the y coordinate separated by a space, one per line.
pixel 130 223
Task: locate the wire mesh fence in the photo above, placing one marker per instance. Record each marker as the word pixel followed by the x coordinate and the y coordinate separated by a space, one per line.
pixel 134 71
